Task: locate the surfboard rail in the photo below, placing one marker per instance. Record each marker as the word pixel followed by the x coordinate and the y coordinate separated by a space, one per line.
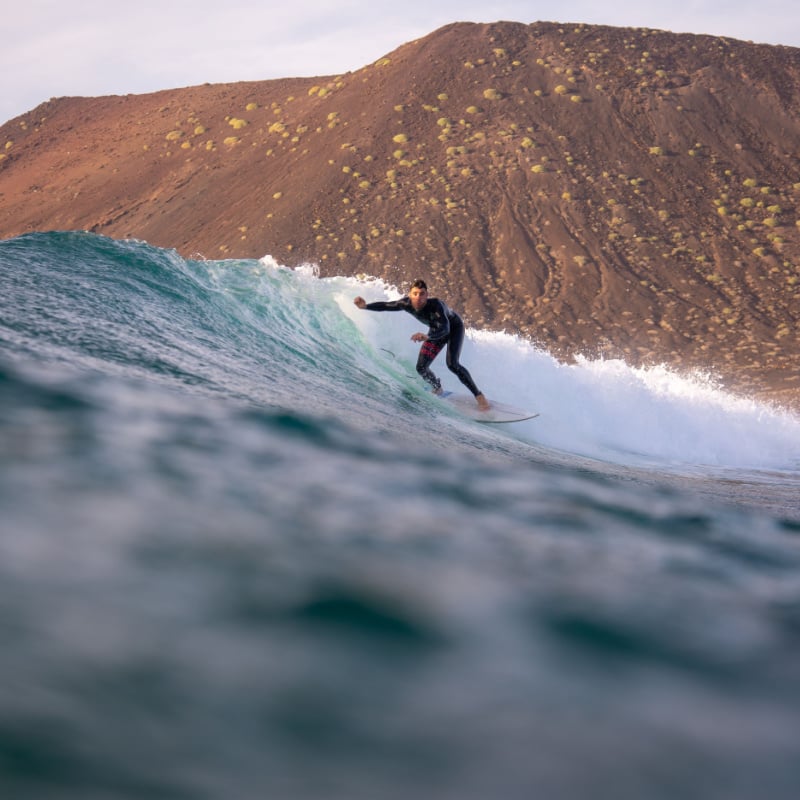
pixel 497 413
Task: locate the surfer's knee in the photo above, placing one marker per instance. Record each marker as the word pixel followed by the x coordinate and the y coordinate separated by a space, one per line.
pixel 457 369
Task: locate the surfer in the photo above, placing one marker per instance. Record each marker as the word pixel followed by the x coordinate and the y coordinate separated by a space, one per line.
pixel 445 327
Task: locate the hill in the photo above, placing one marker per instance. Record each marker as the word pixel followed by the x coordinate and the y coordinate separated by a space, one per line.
pixel 625 192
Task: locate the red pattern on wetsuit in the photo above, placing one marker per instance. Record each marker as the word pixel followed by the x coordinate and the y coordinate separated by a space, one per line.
pixel 431 349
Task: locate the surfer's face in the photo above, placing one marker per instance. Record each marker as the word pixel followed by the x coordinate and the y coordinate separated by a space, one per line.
pixel 418 297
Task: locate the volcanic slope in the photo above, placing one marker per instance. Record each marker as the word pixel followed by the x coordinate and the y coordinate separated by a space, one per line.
pixel 625 192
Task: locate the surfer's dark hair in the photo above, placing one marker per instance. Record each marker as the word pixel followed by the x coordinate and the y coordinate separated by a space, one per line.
pixel 419 284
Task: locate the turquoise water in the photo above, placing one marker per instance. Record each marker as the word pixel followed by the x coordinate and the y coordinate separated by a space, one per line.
pixel 243 554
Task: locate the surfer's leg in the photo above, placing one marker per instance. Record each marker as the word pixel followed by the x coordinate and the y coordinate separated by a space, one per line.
pixel 427 353
pixel 454 344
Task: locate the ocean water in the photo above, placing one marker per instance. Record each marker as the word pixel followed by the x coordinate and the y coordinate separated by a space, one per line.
pixel 244 554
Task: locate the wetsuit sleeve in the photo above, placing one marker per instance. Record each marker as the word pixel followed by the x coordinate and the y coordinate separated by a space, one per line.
pixel 439 322
pixel 388 305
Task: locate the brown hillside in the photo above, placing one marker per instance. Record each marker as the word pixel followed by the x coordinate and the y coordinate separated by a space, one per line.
pixel 601 190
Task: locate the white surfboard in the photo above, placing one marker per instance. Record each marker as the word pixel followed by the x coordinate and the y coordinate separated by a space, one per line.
pixel 498 412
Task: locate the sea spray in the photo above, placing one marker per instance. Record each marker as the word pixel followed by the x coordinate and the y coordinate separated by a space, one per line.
pixel 605 409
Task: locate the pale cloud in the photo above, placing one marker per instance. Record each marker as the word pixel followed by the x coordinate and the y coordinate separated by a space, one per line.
pixel 94 47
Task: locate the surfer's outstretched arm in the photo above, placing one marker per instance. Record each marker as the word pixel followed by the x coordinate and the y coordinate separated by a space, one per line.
pixel 383 305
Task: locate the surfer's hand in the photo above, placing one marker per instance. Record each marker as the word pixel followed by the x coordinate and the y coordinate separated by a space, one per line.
pixel 418 337
pixel 360 302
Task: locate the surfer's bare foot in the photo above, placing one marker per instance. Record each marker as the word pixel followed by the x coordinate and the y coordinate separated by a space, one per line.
pixel 483 403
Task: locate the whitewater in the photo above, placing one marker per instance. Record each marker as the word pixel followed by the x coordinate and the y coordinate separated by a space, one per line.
pixel 244 553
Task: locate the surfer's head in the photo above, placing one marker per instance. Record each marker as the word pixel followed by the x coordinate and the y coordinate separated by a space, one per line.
pixel 418 294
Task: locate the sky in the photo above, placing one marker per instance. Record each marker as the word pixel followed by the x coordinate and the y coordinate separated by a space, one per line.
pixel 99 47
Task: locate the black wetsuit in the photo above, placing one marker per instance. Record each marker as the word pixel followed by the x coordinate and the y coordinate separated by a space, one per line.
pixel 445 327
